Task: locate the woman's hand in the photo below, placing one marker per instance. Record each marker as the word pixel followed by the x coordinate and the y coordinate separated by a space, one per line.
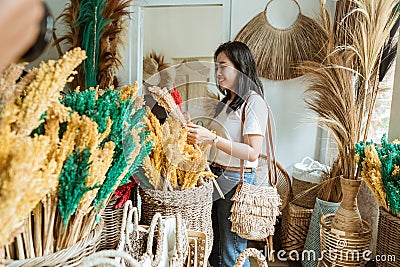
pixel 198 134
pixel 19 27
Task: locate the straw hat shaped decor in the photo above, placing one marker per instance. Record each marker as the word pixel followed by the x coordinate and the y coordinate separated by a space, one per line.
pixel 278 51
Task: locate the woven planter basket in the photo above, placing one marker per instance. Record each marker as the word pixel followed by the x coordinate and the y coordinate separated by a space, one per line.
pixel 343 249
pixel 69 257
pixel 295 223
pixel 112 226
pixel 194 205
pixel 388 239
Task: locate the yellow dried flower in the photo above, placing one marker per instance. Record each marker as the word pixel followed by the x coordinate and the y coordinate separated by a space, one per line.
pixel 8 92
pixel 396 142
pixel 129 91
pixel 372 174
pixel 101 161
pixel 25 161
pixel 50 78
pixel 357 158
pixel 396 170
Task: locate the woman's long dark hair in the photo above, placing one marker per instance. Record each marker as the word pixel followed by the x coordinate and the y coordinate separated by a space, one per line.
pixel 248 80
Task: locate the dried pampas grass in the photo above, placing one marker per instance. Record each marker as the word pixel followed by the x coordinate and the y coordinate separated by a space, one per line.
pixel 344 86
pixel 164 99
pixel 278 52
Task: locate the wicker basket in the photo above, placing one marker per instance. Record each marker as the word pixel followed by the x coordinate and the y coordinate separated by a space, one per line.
pixel 305 180
pixel 251 252
pixel 284 186
pixel 344 249
pixel 306 189
pixel 388 239
pixel 295 223
pixel 194 204
pixel 112 226
pixel 69 257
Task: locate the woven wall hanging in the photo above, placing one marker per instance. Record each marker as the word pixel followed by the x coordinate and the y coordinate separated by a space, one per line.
pixel 278 51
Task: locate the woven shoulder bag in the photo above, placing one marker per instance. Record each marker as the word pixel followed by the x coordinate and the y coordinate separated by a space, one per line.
pixel 255 207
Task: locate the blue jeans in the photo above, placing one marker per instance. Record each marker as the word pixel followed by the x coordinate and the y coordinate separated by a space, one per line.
pixel 227 245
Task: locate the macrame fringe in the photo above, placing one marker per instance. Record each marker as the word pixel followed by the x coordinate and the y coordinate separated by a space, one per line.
pixel 271 210
pixel 257 196
pixel 252 226
pixel 254 211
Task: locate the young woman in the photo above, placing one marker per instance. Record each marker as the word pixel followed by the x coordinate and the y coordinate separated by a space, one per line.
pixel 237 79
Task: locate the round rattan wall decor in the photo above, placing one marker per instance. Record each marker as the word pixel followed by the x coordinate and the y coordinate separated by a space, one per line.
pixel 278 51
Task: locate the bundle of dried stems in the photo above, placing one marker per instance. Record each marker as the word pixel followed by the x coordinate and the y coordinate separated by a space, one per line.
pixel 22 157
pixel 173 163
pixel 344 87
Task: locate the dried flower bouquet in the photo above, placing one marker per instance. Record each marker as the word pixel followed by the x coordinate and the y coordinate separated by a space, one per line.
pixel 380 169
pixel 173 163
pixel 80 149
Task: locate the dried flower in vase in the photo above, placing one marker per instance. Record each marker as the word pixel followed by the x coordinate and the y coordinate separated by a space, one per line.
pixel 344 87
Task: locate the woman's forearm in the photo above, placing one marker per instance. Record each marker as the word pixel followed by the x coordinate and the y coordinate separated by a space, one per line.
pixel 237 150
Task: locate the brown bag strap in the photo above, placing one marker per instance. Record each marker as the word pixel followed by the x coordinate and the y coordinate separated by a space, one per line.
pixel 269 148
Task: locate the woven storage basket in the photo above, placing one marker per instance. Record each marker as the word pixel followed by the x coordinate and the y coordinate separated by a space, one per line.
pixel 194 205
pixel 299 187
pixel 388 243
pixel 69 257
pixel 343 249
pixel 284 186
pixel 295 223
pixel 112 226
pixel 306 176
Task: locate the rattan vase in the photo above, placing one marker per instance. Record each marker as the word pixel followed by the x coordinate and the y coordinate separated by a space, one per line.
pixel 348 218
pixel 344 249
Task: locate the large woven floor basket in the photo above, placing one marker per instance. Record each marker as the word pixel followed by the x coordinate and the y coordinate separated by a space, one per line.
pixel 112 226
pixel 388 242
pixel 295 223
pixel 194 204
pixel 69 257
pixel 344 249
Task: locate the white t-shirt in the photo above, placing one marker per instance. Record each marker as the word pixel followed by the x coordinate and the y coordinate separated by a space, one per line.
pixel 229 126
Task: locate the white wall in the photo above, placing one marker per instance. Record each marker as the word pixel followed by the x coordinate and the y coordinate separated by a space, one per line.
pixel 297 135
pixel 182 31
